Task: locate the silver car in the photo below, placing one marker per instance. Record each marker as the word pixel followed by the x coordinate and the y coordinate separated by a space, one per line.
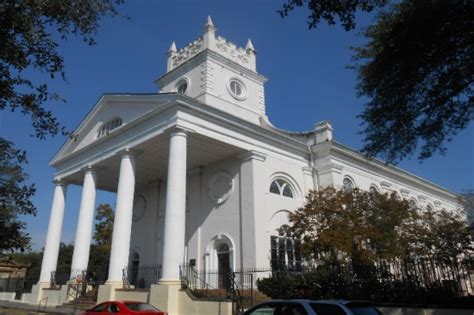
pixel 313 307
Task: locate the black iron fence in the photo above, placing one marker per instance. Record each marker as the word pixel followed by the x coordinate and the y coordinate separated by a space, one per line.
pixel 11 284
pixel 411 281
pixel 19 285
pixel 141 277
pixel 58 279
pixel 238 287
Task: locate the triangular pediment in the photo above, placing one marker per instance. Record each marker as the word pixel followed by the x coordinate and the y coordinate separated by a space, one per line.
pixel 108 116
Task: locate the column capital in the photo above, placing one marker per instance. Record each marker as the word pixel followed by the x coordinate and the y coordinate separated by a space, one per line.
pixel 179 130
pixel 127 152
pixel 252 155
pixel 60 182
pixel 89 168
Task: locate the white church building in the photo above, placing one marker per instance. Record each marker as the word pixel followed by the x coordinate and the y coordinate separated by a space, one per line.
pixel 201 175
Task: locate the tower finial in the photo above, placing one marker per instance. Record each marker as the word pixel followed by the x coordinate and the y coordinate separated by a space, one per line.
pixel 172 47
pixel 209 25
pixel 249 45
pixel 209 21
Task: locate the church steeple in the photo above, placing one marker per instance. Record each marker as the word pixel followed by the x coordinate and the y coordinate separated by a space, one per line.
pixel 218 73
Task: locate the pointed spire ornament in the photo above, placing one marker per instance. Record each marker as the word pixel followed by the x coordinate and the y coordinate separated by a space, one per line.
pixel 172 47
pixel 249 45
pixel 209 25
pixel 209 21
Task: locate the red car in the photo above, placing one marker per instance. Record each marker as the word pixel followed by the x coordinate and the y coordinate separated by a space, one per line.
pixel 123 307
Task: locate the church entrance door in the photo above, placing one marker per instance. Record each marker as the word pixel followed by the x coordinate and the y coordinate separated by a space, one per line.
pixel 223 259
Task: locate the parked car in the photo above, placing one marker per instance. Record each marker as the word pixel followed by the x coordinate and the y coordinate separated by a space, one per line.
pixel 313 307
pixel 123 307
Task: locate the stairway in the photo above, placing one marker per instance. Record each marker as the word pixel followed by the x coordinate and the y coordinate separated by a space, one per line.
pixel 250 297
pixel 83 302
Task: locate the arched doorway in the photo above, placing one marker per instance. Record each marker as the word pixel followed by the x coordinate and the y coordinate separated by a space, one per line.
pixel 223 266
pixel 133 270
pixel 219 261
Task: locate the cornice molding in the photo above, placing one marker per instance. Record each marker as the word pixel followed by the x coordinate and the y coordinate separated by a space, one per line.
pixel 252 155
pixel 200 58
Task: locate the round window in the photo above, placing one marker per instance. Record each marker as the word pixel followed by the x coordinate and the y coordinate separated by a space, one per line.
pixel 236 89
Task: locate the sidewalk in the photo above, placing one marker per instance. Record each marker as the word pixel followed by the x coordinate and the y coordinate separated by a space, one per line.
pixel 7 307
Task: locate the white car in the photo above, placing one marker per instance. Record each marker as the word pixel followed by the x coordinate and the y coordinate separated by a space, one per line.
pixel 313 307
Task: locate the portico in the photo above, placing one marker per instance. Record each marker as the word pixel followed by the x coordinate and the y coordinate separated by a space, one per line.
pixel 166 156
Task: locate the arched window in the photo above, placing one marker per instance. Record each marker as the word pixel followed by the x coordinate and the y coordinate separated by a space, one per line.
pixel 347 185
pixel 281 187
pixel 373 189
pixel 109 126
pixel 412 204
pixel 285 251
pixel 429 208
pixel 182 86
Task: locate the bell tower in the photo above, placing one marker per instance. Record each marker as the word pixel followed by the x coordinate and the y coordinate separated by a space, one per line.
pixel 218 73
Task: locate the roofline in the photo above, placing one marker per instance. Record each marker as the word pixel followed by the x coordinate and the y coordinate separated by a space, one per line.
pixel 283 138
pixel 391 167
pixel 91 111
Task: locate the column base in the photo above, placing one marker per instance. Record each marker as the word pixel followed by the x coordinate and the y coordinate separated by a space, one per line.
pixel 36 293
pixel 165 296
pixel 171 299
pixel 169 282
pixel 107 291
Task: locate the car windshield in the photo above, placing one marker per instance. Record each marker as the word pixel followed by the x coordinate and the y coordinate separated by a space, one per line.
pixel 139 307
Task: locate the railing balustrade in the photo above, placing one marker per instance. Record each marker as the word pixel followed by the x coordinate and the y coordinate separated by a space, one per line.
pixel 141 277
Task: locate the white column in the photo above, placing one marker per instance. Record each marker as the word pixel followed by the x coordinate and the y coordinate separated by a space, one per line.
pixel 82 243
pixel 123 218
pixel 53 238
pixel 175 214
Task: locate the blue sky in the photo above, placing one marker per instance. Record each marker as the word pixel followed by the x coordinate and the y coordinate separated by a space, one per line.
pixel 308 82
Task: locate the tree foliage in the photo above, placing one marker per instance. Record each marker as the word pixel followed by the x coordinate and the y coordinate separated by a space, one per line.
pixel 28 33
pixel 416 70
pixel 467 200
pixel 15 196
pixel 29 39
pixel 99 257
pixel 104 225
pixel 332 10
pixel 366 226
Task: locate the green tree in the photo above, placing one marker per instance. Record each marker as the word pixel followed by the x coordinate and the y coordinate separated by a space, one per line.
pixel 416 69
pixel 64 258
pixel 100 251
pixel 362 226
pixel 467 200
pixel 28 33
pixel 29 37
pixel 104 225
pixel 332 10
pixel 447 234
pixel 15 197
pixel 367 226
